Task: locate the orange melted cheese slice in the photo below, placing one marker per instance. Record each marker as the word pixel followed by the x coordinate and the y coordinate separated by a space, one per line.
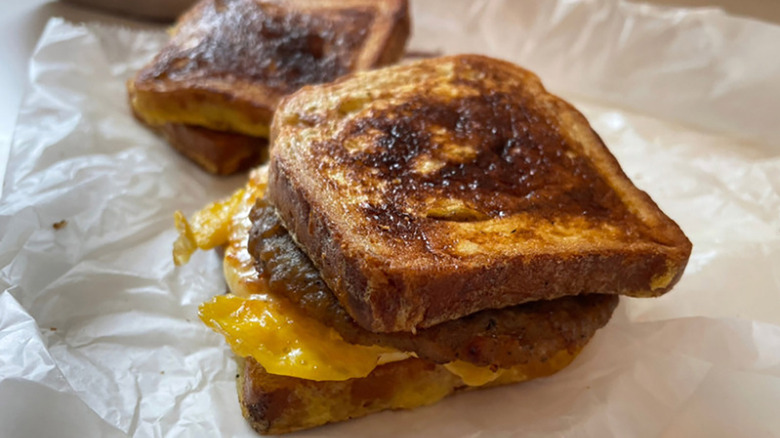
pixel 473 375
pixel 285 342
pixel 257 324
pixel 270 329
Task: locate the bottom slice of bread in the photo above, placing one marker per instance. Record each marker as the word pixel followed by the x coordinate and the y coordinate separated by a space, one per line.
pixel 279 404
pixel 218 152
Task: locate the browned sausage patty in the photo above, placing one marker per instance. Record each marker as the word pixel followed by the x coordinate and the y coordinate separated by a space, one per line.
pixel 501 337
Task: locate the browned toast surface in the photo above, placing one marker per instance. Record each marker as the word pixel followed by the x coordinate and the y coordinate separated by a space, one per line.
pixel 433 190
pixel 230 61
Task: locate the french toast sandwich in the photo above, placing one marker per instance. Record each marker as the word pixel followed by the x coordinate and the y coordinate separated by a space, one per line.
pixel 427 192
pixel 305 362
pixel 422 230
pixel 229 62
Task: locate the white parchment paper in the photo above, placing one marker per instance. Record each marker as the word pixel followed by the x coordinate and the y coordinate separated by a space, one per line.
pixel 99 334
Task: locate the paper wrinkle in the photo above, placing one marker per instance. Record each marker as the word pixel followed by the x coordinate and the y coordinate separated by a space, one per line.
pixel 99 331
pixel 629 55
pixel 30 357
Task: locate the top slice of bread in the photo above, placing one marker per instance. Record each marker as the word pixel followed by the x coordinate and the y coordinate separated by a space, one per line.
pixel 430 191
pixel 230 61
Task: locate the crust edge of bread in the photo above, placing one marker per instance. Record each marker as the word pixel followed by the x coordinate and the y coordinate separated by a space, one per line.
pixel 279 404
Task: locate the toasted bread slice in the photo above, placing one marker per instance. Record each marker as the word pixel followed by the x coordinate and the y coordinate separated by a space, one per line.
pixel 230 61
pixel 218 152
pixel 430 191
pixel 279 404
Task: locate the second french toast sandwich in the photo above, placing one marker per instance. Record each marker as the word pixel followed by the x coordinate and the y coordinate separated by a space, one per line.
pixel 434 227
pixel 212 90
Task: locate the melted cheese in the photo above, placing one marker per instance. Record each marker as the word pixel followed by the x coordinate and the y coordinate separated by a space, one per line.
pixel 157 111
pixel 284 341
pixel 271 330
pixel 473 375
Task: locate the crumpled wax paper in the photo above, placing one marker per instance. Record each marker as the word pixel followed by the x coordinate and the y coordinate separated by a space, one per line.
pixel 99 334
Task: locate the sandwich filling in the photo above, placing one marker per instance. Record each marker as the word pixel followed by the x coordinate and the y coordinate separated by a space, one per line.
pixel 489 338
pixel 291 328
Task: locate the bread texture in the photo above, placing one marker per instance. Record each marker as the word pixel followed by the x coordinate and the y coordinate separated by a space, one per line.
pixel 279 404
pixel 430 191
pixel 230 61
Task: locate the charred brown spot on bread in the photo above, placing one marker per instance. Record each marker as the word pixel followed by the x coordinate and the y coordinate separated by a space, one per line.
pixel 259 41
pixel 502 155
pixel 266 399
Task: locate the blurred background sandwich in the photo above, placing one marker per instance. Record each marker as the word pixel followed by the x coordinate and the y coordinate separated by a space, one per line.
pixel 212 90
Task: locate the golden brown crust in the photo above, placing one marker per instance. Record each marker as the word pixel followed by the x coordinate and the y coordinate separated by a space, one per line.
pixel 278 404
pixel 229 62
pixel 452 185
pixel 394 46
